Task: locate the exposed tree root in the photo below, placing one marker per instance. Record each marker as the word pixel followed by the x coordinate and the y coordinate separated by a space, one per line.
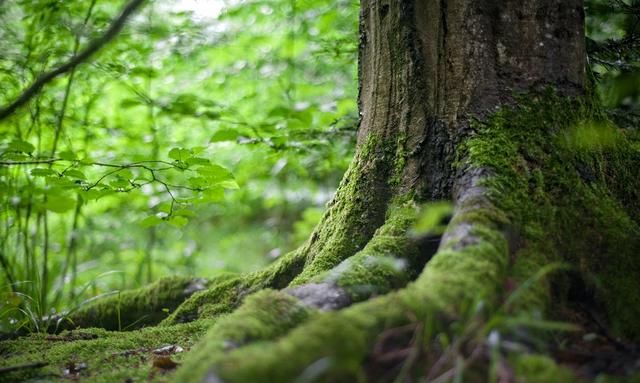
pixel 460 273
pixel 133 309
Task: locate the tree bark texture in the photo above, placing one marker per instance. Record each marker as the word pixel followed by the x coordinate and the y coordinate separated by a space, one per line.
pixel 427 67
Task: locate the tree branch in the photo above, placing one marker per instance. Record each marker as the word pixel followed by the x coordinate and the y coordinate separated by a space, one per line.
pixel 93 47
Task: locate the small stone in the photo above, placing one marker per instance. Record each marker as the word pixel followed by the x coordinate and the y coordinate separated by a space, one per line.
pixel 168 350
pixel 323 296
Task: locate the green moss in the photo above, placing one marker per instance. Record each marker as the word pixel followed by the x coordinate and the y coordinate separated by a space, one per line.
pixel 456 276
pixel 133 309
pixel 569 198
pixel 400 160
pixel 226 295
pixel 106 356
pixel 218 299
pixel 263 316
pixel 387 262
pixel 352 217
pixel 333 346
pixel 530 280
pixel 328 348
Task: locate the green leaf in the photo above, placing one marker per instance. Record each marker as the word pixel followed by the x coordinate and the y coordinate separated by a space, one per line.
pixel 197 161
pixel 215 194
pixel 96 194
pixel 151 221
pixel 126 174
pixel 145 72
pixel 15 156
pixel 185 104
pixel 198 182
pixel 215 173
pixel 130 103
pixel 178 221
pixel 280 111
pixel 67 155
pixel 229 184
pixel 198 149
pixel 74 173
pixel 304 116
pixel 43 172
pixel 59 203
pixel 433 217
pixel 18 145
pixel 119 183
pixel 225 135
pixel 61 183
pixel 185 213
pixel 179 154
pixel 211 114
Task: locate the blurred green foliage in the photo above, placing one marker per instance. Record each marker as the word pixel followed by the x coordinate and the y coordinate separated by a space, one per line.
pixel 206 138
pixel 613 44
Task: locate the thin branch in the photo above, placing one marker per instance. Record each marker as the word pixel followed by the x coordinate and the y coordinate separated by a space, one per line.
pixel 31 162
pixel 85 54
pixel 138 164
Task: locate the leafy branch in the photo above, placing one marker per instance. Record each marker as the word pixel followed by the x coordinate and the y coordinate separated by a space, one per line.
pixel 93 47
pixel 210 177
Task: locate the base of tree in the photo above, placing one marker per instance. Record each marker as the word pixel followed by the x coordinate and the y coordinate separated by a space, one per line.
pixel 540 186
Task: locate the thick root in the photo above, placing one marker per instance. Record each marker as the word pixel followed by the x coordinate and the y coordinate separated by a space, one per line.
pixel 225 296
pixel 334 345
pixel 132 309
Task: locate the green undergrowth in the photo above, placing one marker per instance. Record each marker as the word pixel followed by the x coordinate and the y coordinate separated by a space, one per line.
pixel 569 180
pixel 635 378
pixel 98 355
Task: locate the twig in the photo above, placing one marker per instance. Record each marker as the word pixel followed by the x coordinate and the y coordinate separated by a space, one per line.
pixel 85 54
pixel 32 162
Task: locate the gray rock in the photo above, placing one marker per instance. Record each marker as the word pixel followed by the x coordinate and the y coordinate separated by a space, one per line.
pixel 323 296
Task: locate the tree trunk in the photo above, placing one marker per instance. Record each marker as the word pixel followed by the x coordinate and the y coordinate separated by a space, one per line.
pixel 483 103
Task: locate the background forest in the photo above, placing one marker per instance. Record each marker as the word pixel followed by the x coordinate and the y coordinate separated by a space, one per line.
pixel 205 139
